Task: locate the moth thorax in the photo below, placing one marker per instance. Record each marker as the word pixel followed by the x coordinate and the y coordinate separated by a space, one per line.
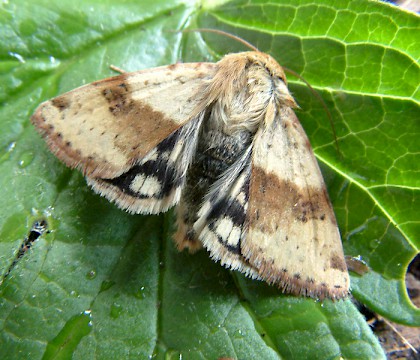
pixel 244 110
pixel 227 119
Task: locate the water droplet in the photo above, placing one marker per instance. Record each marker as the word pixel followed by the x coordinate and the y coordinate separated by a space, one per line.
pixel 88 312
pixel 17 56
pixel 48 211
pixel 11 146
pixel 172 354
pixel 116 310
pixel 6 154
pixel 25 159
pixel 140 293
pixel 215 329
pixel 74 293
pixel 357 265
pixel 91 274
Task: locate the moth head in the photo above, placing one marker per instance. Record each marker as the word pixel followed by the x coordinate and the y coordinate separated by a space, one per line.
pixel 248 90
pixel 275 74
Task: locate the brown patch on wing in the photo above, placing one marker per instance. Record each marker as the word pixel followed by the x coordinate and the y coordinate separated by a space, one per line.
pixel 337 262
pixel 276 198
pixel 60 102
pixel 100 129
pixel 138 119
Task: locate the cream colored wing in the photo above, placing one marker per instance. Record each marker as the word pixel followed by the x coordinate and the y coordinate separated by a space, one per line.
pixel 154 183
pixel 132 135
pixel 103 128
pixel 292 239
pixel 221 225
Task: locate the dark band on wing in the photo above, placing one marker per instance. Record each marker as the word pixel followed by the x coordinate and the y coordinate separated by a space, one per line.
pixel 161 169
pixel 235 210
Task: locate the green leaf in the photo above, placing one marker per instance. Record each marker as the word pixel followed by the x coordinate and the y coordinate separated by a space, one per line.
pixel 106 284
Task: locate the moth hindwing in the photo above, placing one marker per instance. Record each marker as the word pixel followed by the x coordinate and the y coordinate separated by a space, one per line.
pixel 221 140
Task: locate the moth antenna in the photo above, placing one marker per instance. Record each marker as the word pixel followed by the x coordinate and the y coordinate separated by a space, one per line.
pixel 224 33
pixel 321 100
pixel 402 337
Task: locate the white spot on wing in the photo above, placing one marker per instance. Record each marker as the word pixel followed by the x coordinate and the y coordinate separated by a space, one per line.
pixel 241 199
pixel 164 155
pixel 137 182
pixel 234 236
pixel 228 231
pixel 153 157
pixel 224 228
pixel 146 185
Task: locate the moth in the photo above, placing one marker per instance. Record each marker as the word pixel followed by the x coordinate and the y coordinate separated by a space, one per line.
pixel 222 142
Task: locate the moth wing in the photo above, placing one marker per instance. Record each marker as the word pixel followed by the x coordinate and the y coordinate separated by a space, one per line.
pixel 154 183
pixel 221 224
pixel 292 235
pixel 132 135
pixel 103 128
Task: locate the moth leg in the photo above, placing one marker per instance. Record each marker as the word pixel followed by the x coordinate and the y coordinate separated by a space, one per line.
pixel 185 237
pixel 187 209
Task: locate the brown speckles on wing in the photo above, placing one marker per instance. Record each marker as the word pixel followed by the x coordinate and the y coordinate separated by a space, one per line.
pixel 104 127
pixel 337 262
pixel 297 204
pixel 60 103
pixel 293 239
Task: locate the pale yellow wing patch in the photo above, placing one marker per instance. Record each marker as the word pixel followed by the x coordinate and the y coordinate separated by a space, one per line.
pixel 293 239
pixel 104 127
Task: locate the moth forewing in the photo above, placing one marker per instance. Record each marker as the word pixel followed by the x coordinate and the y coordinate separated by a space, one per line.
pixel 104 127
pixel 108 128
pixel 222 140
pixel 277 222
pixel 293 236
pixel 154 183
